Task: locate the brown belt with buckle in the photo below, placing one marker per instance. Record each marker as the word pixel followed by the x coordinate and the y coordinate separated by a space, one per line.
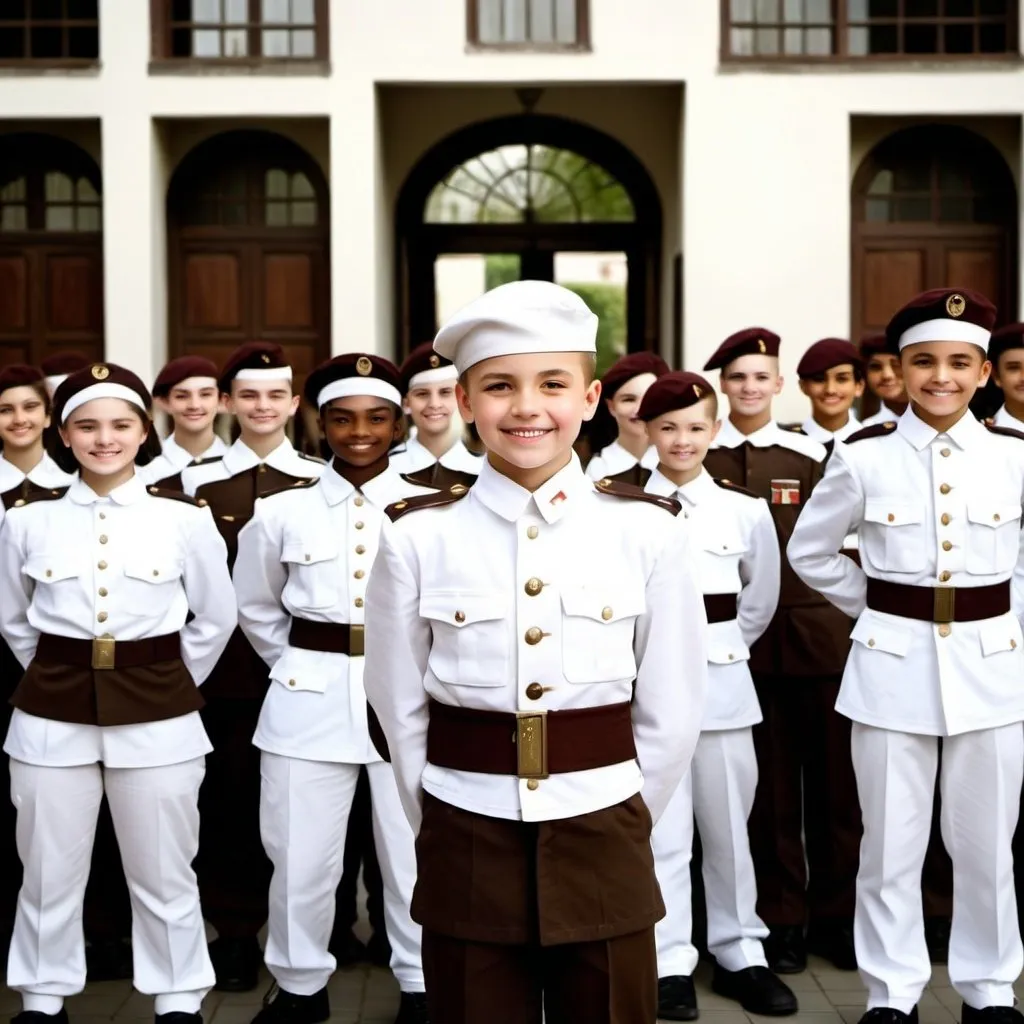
pixel 104 652
pixel 529 744
pixel 330 637
pixel 939 604
pixel 720 607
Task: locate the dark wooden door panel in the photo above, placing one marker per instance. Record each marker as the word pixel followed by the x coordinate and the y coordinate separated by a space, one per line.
pixel 287 286
pixel 74 293
pixel 212 296
pixel 14 292
pixel 980 269
pixel 890 277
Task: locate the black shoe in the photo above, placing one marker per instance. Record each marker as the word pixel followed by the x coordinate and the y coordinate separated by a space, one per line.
pixel 936 936
pixel 281 1007
pixel 346 949
pixel 178 1017
pixel 885 1015
pixel 108 960
pixel 35 1017
pixel 991 1015
pixel 236 962
pixel 833 940
pixel 786 950
pixel 677 998
pixel 756 989
pixel 378 950
pixel 413 1009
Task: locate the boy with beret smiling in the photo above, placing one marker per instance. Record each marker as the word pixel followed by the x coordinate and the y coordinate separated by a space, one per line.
pixel 937 652
pixel 1006 353
pixel 831 374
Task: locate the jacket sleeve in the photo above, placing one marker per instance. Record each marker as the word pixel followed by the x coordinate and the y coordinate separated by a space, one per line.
pixel 260 578
pixel 16 589
pixel 760 573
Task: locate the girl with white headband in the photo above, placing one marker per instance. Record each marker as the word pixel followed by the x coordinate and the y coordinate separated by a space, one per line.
pixel 98 579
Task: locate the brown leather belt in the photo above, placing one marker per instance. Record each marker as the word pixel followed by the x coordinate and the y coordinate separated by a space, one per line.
pixel 720 607
pixel 104 652
pixel 331 637
pixel 529 744
pixel 939 604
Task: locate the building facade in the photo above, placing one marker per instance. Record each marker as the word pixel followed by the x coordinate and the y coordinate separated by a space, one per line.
pixel 182 175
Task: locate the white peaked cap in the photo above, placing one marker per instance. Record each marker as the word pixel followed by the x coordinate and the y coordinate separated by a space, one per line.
pixel 516 318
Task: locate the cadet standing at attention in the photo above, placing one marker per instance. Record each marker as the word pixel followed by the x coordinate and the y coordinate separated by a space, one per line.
pixel 937 651
pixel 540 605
pixel 98 581
pixel 804 827
pixel 737 554
pixel 301 578
pixel 234 873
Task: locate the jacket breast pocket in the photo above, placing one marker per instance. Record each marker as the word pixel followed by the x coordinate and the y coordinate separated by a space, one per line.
pixel 993 536
pixel 725 644
pixel 148 583
pixel 313 574
pixel 470 637
pixel 598 628
pixel 719 561
pixel 894 535
pixel 881 635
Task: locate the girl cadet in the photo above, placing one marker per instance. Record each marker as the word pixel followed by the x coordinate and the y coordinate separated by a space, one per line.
pixel 97 582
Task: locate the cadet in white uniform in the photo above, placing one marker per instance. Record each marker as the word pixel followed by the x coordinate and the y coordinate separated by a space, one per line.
pixel 938 651
pixel 301 576
pixel 540 605
pixel 884 378
pixel 831 375
pixel 97 583
pixel 1006 352
pixel 738 566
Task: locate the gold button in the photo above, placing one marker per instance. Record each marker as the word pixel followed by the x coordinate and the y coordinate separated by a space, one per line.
pixel 399 505
pixel 19 503
pixel 103 538
pixel 606 614
pixel 531 532
pixel 534 635
pixel 291 682
pixel 946 519
pixel 945 629
pixel 263 467
pixel 995 518
pixel 359 574
pixel 533 586
pixel 307 557
pixel 359 500
pixel 460 616
pixel 102 617
pixel 1013 644
pixel 532 784
pixel 49 572
pixel 891 518
pixel 359 526
pixel 103 591
pixel 947 545
pixel 103 515
pixel 731 657
pixel 535 691
pixel 944 576
pixel 945 489
pixel 156 572
pixel 945 453
pixel 101 565
pixel 358 602
pixel 871 643
pixel 360 550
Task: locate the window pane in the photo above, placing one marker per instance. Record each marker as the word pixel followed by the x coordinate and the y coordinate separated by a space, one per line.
pixel 206 12
pixel 83 42
pixel 275 11
pixel 818 42
pixel 301 187
pixel 542 21
pixel 60 218
pixel 277 215
pixel 916 210
pixel 793 10
pixel 88 218
pixel 303 213
pixel 58 187
pixel 303 12
pixel 741 42
pixel 920 39
pixel 236 43
pixel 566 31
pixel 13 218
pixel 819 11
pixel 793 41
pixel 12 44
pixel 84 192
pixel 877 211
pixel 857 42
pixel 236 12
pixel 303 42
pixel 83 9
pixel 742 10
pixel 13 10
pixel 921 8
pixel 488 13
pixel 275 184
pixel 275 42
pixel 13 191
pixel 959 8
pixel 993 39
pixel 767 10
pixel 993 7
pixel 956 209
pixel 767 41
pixel 46 10
pixel 958 39
pixel 881 184
pixel 515 21
pixel 206 43
pixel 47 42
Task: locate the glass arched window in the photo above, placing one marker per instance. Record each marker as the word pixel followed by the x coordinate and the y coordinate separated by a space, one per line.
pixel 243 195
pixel 528 184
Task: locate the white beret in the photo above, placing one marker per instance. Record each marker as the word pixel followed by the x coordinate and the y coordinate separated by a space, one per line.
pixel 517 318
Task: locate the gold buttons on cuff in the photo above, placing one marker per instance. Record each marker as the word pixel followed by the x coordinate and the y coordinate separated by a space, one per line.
pixel 945 629
pixel 460 616
pixel 535 691
pixel 102 617
pixel 103 538
pixel 359 574
pixel 533 586
pixel 359 501
pixel 534 635
pixel 606 614
pixel 944 576
pixel 102 591
pixel 944 489
pixel 360 525
pixel 945 453
pixel 101 565
pixel 531 532
pixel 532 784
pixel 358 602
pixel 360 549
pixel 946 519
pixel 947 545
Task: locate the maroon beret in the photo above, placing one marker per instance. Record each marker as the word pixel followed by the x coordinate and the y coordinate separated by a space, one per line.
pixel 100 380
pixel 942 314
pixel 872 344
pixel 181 369
pixel 62 363
pixel 19 375
pixel 825 354
pixel 676 390
pixel 753 341
pixel 628 367
pixel 255 356
pixel 354 373
pixel 423 359
pixel 1007 337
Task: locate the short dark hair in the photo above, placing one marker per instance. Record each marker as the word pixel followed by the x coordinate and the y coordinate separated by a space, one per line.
pixel 149 450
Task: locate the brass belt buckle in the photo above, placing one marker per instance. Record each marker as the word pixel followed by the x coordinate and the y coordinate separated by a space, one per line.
pixel 944 605
pixel 531 740
pixel 356 641
pixel 103 652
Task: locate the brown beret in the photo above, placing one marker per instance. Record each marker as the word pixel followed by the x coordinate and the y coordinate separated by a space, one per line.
pixel 753 341
pixel 19 375
pixel 942 314
pixel 100 380
pixel 872 344
pixel 255 355
pixel 61 363
pixel 181 369
pixel 825 354
pixel 1007 337
pixel 628 367
pixel 676 390
pixel 354 373
pixel 422 359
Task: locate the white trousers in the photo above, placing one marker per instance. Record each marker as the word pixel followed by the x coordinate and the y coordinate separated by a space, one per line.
pixel 980 784
pixel 156 819
pixel 304 811
pixel 719 791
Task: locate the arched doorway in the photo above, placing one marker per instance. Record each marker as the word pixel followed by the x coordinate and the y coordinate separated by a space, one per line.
pixel 531 196
pixel 51 249
pixel 248 234
pixel 933 206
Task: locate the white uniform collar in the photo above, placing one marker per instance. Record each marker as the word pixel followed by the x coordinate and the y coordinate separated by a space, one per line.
pixel 417 456
pixel 45 473
pixel 615 459
pixel 127 494
pixel 1004 419
pixel 382 490
pixel 178 458
pixel 507 499
pixel 693 493
pixel 817 432
pixel 240 457
pixel 730 437
pixel 965 433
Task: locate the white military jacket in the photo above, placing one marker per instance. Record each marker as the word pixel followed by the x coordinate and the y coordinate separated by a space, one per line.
pixel 45 473
pixel 736 551
pixel 614 459
pixel 414 456
pixel 884 415
pixel 816 432
pixel 240 457
pixel 931 509
pixel 131 565
pixel 307 552
pixel 770 434
pixel 1003 419
pixel 173 459
pixel 448 610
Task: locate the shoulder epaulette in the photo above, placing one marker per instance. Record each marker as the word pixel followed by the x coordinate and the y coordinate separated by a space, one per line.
pixel 878 430
pixel 1005 431
pixel 621 490
pixel 794 428
pixel 311 458
pixel 206 461
pixel 636 476
pixel 730 486
pixel 47 494
pixel 299 485
pixel 160 492
pixel 439 477
pixel 446 497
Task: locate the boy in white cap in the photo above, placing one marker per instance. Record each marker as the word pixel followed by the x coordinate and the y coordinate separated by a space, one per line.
pixel 937 652
pixel 489 617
